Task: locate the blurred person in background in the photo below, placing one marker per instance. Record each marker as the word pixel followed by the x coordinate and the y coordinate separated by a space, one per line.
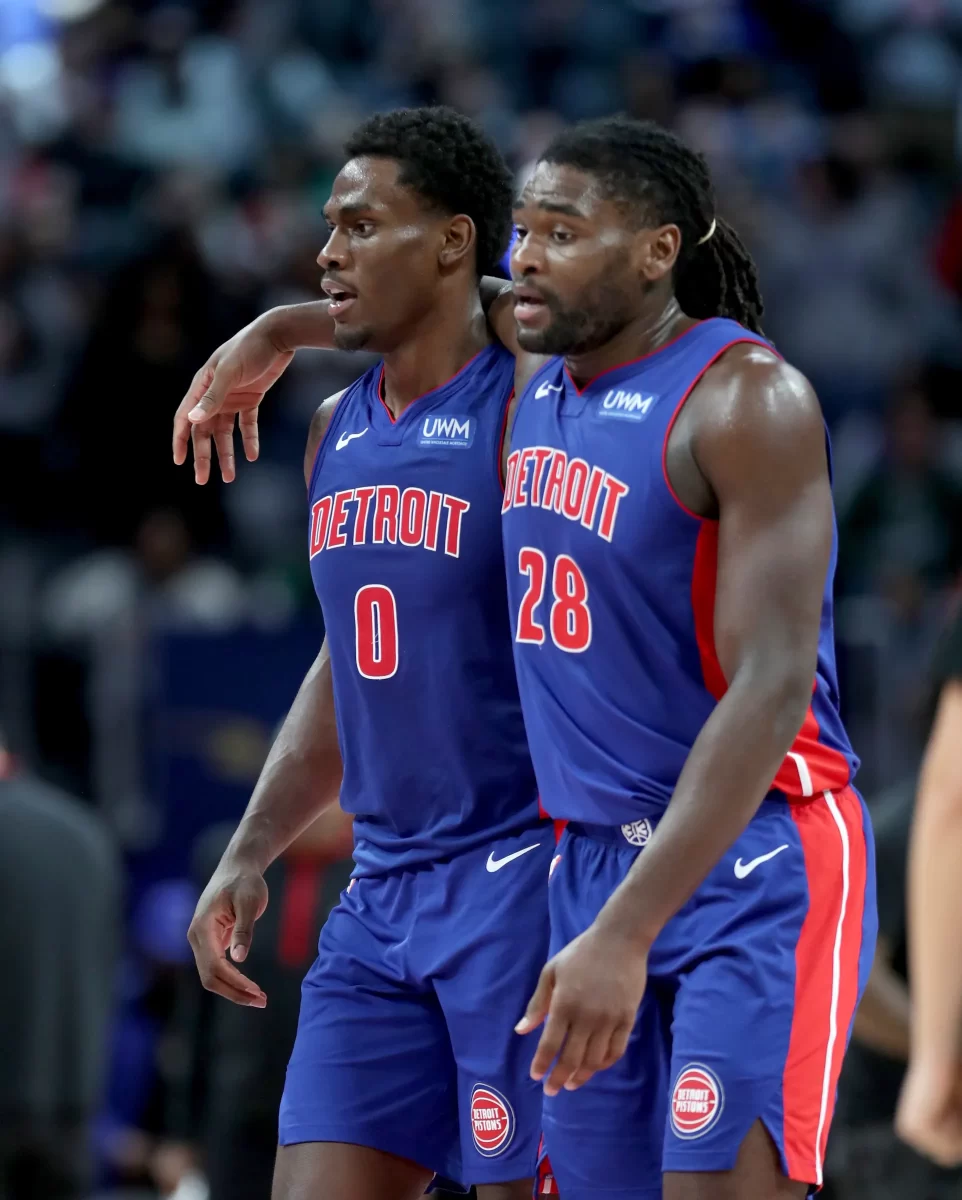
pixel 930 1108
pixel 60 891
pixel 866 1159
pixel 223 1108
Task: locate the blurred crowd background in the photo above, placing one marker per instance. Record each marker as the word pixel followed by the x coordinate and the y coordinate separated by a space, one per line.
pixel 162 173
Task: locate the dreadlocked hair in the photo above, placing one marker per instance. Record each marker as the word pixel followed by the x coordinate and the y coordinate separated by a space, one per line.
pixel 452 164
pixel 661 181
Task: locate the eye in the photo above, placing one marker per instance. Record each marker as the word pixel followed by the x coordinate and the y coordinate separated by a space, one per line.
pixel 520 232
pixel 363 228
pixel 561 237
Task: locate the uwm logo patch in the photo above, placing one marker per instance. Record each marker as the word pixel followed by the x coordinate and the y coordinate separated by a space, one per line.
pixel 626 406
pixel 446 431
pixel 492 1121
pixel 697 1101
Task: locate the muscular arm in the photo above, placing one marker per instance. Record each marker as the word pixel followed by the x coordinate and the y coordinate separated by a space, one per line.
pixel 935 890
pixel 759 443
pixel 301 778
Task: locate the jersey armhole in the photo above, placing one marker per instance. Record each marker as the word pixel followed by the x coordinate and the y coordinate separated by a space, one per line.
pixel 322 441
pixel 738 341
pixel 501 439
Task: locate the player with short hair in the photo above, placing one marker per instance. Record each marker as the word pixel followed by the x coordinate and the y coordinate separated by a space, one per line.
pixel 406 1063
pixel 670 547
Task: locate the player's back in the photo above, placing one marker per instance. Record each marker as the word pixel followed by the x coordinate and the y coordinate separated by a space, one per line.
pixel 617 663
pixel 407 564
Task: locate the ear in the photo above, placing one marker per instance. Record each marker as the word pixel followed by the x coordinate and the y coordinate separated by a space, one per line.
pixel 459 240
pixel 657 252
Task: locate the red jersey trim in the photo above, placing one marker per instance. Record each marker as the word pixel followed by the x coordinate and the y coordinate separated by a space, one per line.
pixel 429 392
pixel 739 341
pixel 501 440
pixel 832 833
pixel 810 765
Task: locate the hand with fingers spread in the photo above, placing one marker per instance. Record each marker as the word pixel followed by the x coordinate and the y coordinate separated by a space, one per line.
pixel 588 996
pixel 229 387
pixel 233 900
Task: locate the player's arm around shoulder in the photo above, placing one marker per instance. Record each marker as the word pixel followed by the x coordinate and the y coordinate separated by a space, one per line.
pixel 319 423
pixel 498 303
pixel 758 439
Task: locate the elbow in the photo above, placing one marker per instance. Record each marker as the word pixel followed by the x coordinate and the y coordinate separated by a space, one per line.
pixel 780 691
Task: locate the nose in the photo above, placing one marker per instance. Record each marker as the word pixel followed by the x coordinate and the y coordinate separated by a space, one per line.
pixel 333 254
pixel 527 257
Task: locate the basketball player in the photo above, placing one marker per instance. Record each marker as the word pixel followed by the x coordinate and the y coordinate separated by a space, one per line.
pixel 406 1063
pixel 670 547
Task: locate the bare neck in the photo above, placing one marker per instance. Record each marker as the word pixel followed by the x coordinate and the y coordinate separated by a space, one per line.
pixel 649 331
pixel 449 335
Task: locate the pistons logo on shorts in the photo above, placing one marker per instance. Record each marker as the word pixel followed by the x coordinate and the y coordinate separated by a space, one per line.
pixel 492 1121
pixel 697 1101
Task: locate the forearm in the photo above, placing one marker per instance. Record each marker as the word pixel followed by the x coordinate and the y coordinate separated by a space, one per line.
pixel 727 774
pixel 301 326
pixel 301 777
pixel 883 1016
pixel 935 903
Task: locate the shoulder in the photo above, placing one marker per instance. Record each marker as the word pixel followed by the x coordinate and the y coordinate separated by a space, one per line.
pixel 751 401
pixel 319 424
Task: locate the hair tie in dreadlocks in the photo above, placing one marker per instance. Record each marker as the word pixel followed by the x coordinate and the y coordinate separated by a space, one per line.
pixel 661 181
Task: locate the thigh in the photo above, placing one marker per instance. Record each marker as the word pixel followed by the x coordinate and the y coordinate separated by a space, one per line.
pixel 770 958
pixel 757 1173
pixel 337 1171
pixel 495 943
pixel 604 1141
pixel 372 1062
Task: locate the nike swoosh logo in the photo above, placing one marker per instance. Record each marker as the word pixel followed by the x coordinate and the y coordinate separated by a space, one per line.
pixel 545 388
pixel 495 864
pixel 349 437
pixel 743 869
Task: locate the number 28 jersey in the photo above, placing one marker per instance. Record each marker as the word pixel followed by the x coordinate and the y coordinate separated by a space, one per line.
pixel 406 558
pixel 612 584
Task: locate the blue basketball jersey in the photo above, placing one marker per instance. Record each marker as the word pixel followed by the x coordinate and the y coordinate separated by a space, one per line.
pixel 612 587
pixel 405 547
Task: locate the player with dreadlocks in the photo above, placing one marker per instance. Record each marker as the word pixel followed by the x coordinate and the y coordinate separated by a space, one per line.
pixel 670 544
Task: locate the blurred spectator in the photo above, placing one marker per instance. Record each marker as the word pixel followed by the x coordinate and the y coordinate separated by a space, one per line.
pixel 901 534
pixel 227 1100
pixel 60 891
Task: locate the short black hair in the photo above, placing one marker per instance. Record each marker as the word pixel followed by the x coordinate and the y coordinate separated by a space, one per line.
pixel 660 180
pixel 452 163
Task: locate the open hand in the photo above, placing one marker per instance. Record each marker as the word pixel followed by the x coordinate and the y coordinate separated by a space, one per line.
pixel 590 994
pixel 228 387
pixel 233 900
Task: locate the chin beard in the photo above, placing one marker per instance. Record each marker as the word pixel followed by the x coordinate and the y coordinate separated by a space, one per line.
pixel 351 339
pixel 570 333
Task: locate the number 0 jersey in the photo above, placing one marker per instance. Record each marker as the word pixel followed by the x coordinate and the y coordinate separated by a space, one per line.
pixel 405 547
pixel 612 586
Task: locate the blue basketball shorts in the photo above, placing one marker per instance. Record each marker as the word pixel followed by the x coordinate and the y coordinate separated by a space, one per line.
pixel 406 1036
pixel 752 990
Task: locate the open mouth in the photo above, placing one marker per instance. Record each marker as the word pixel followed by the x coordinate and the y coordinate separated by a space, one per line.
pixel 341 298
pixel 529 305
